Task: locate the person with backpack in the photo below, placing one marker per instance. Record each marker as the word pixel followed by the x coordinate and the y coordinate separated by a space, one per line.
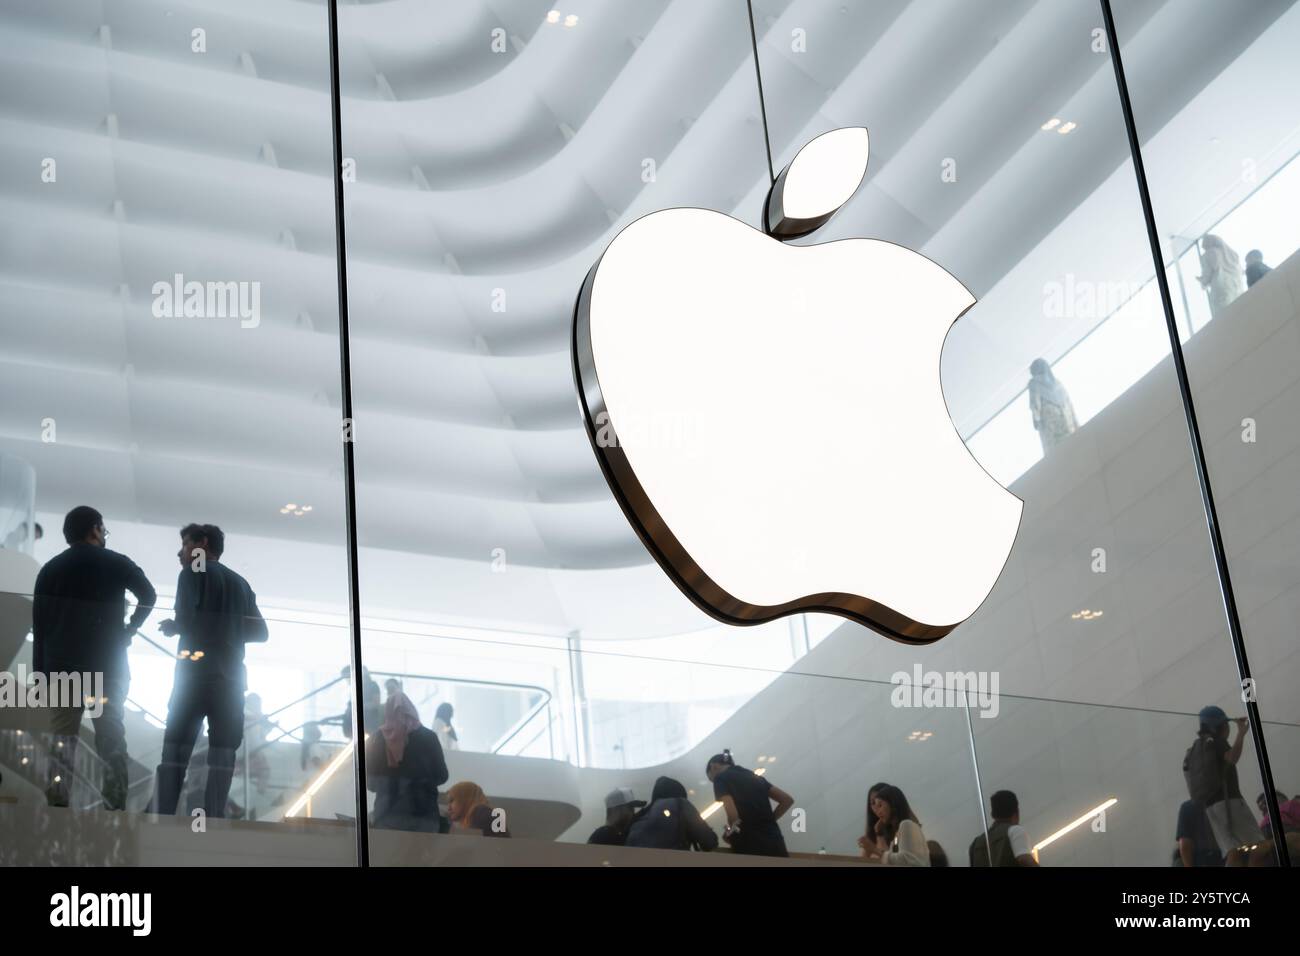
pixel 1006 843
pixel 1194 840
pixel 1210 771
pixel 670 821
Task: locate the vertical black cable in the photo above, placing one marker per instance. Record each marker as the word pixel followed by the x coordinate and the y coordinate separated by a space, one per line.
pixel 1198 451
pixel 349 464
pixel 762 101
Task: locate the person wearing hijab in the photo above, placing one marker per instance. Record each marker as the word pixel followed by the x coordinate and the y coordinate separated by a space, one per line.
pixel 443 728
pixel 404 768
pixel 469 809
pixel 747 799
pixel 670 821
pixel 899 840
pixel 1050 405
pixel 1221 275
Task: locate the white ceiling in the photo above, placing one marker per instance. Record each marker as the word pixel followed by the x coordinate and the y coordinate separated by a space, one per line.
pixel 477 172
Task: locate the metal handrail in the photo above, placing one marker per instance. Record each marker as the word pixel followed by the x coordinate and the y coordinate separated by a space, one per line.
pixel 464 680
pixel 537 736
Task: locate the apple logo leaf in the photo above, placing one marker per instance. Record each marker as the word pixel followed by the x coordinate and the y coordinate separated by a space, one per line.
pixel 823 176
pixel 770 418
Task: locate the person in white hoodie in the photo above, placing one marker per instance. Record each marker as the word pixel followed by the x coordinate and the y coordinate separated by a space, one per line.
pixel 898 837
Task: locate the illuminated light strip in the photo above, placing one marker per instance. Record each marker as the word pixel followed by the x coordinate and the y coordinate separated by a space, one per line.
pixel 315 786
pixel 1095 811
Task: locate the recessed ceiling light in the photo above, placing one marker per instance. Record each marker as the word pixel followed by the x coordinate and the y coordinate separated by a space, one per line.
pixel 294 509
pixel 1086 615
pixel 553 16
pixel 1065 128
pixel 571 20
pixel 1051 124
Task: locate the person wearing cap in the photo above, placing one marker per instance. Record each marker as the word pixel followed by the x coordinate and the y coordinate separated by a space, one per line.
pixel 1210 769
pixel 620 808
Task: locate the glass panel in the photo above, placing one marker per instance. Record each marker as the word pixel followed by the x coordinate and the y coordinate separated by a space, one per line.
pixel 492 169
pixel 1001 155
pixel 1224 177
pixel 171 356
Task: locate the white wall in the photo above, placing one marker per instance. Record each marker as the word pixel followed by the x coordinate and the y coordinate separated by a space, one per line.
pixel 1136 675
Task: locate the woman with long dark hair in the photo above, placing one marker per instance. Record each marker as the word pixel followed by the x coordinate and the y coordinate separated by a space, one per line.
pixel 747 799
pixel 868 839
pixel 670 821
pixel 899 840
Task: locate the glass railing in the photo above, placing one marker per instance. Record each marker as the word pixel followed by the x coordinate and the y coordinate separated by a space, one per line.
pixel 1097 784
pixel 290 735
pixel 1129 341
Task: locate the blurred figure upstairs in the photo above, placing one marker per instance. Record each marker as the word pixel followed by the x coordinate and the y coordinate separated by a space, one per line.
pixel 1050 406
pixel 1255 268
pixel 77 611
pixel 372 704
pixel 1221 276
pixel 443 728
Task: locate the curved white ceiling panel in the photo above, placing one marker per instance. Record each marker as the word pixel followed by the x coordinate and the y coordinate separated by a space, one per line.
pixel 486 184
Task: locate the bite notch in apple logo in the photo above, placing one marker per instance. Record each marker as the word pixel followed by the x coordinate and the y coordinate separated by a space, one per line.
pixel 770 416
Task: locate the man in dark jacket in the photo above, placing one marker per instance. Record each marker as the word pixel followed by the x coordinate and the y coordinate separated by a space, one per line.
pixel 77 612
pixel 216 615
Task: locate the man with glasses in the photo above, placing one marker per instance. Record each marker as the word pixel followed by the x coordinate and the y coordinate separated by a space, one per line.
pixel 77 612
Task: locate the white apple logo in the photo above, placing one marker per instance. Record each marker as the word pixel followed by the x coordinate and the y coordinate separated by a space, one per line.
pixel 770 417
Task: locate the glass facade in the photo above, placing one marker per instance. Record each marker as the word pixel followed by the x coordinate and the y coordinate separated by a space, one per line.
pixel 171 333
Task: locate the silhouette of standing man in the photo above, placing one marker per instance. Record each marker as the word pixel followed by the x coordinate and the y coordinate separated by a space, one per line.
pixel 216 615
pixel 77 611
